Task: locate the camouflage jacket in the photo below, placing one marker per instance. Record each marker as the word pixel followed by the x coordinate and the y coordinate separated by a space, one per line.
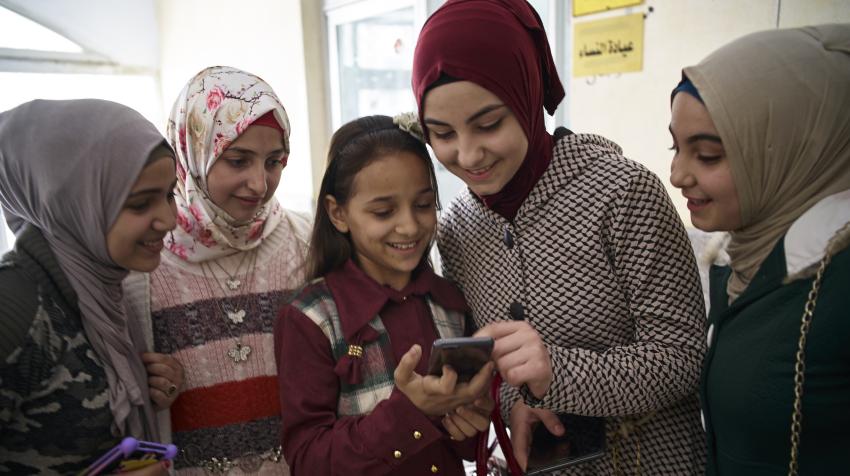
pixel 54 405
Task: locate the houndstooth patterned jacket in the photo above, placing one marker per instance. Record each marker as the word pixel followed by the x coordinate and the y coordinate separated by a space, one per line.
pixel 597 260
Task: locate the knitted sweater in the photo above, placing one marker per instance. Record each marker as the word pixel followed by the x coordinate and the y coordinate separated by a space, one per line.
pixel 229 407
pixel 598 262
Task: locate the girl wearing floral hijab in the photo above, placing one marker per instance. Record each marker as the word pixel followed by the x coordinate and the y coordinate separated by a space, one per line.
pixel 227 267
pixel 762 141
pixel 86 185
pixel 570 255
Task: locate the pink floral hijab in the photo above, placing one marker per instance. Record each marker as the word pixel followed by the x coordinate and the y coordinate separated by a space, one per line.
pixel 213 109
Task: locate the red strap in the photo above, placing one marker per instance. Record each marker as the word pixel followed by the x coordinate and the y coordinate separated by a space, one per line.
pixel 482 453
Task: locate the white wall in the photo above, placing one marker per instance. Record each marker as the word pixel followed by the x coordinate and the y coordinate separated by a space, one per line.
pixel 633 109
pixel 259 36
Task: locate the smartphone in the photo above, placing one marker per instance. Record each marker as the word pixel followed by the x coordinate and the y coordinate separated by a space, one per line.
pixel 466 355
pixel 583 440
pixel 129 455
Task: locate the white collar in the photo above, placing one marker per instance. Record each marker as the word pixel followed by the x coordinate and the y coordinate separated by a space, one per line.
pixel 806 239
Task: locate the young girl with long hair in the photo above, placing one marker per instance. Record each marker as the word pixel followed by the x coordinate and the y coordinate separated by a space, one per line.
pixel 354 344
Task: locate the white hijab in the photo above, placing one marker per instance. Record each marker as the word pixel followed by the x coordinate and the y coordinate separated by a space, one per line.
pixel 213 109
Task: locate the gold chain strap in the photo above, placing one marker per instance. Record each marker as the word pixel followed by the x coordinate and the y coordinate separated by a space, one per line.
pixel 630 427
pixel 800 365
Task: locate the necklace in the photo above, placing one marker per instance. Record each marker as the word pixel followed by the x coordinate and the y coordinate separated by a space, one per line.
pixel 240 352
pixel 235 315
pixel 232 282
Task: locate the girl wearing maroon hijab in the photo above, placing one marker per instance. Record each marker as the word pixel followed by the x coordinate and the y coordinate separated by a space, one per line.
pixel 570 255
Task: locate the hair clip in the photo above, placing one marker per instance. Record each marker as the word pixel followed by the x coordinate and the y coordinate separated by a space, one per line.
pixel 409 122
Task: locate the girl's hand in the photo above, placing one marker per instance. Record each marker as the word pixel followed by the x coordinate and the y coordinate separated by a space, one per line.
pixel 523 421
pixel 469 420
pixel 165 378
pixel 520 355
pixel 437 396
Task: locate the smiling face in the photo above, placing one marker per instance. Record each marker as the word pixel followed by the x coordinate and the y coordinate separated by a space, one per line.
pixel 245 176
pixel 474 135
pixel 134 241
pixel 700 167
pixel 390 217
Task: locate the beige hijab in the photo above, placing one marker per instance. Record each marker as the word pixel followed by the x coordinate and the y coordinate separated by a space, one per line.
pixel 780 100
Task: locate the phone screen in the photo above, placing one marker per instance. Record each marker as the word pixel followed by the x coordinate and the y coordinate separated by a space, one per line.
pixel 466 355
pixel 583 440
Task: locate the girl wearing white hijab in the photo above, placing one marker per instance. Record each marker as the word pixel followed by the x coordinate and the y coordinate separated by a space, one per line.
pixel 762 141
pixel 86 187
pixel 233 259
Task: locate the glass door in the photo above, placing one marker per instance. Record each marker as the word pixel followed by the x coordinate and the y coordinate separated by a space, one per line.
pixel 370 51
pixel 370 46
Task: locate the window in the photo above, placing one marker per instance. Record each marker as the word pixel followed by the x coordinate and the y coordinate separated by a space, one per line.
pixel 371 45
pixel 371 57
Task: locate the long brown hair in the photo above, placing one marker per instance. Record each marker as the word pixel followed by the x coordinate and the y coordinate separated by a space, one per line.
pixel 354 146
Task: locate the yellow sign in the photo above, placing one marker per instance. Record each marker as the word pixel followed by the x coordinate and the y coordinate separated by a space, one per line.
pixel 583 7
pixel 614 45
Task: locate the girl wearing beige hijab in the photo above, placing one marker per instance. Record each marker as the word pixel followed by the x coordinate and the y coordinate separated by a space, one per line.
pixel 762 150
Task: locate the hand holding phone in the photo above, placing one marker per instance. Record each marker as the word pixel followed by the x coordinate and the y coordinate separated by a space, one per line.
pixel 130 455
pixel 583 439
pixel 465 355
pixel 469 420
pixel 544 441
pixel 436 396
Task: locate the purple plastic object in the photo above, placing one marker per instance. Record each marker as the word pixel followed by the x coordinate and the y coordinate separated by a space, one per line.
pixel 129 448
pixel 167 451
pixel 128 445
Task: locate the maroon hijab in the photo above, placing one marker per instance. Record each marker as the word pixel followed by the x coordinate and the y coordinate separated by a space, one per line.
pixel 501 46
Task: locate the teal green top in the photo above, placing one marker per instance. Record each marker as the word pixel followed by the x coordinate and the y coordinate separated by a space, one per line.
pixel 747 383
